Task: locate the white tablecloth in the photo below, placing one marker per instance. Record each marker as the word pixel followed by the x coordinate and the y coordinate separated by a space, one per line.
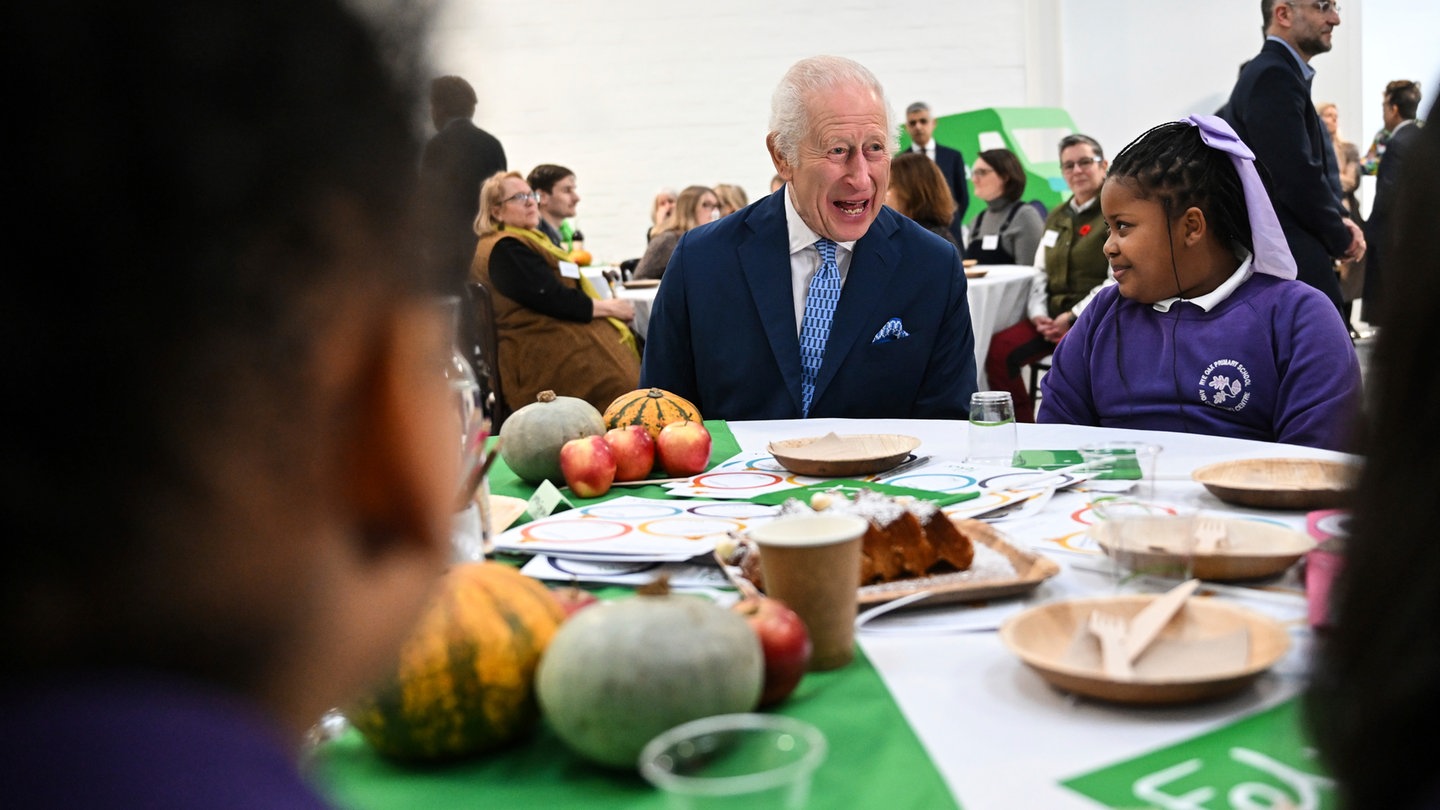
pixel 997 301
pixel 1000 736
pixel 642 298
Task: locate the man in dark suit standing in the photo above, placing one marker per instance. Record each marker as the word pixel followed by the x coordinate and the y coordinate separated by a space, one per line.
pixel 817 300
pixel 920 124
pixel 1271 111
pixel 459 158
pixel 1402 102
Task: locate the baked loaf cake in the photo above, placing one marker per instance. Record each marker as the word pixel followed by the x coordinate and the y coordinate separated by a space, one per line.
pixel 907 538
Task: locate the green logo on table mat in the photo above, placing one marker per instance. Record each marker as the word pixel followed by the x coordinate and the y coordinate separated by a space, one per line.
pixel 1262 761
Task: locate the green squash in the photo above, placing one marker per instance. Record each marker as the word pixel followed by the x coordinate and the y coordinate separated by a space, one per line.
pixel 531 438
pixel 619 673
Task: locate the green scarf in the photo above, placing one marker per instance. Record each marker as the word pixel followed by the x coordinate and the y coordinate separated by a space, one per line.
pixel 542 243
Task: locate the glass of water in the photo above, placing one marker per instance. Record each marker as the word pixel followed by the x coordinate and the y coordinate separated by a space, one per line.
pixel 992 429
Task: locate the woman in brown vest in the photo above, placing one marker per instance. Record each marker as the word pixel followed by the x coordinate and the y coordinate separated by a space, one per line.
pixel 554 333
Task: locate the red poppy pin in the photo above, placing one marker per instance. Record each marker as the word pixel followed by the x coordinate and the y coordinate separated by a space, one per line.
pixel 1084 229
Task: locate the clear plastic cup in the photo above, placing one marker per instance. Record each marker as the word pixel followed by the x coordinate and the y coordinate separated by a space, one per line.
pixel 751 761
pixel 992 429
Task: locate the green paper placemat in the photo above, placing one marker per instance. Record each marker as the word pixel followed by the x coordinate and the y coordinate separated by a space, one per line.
pixel 1125 468
pixel 875 760
pixel 850 487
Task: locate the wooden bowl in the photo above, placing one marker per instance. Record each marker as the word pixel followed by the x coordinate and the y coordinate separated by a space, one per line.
pixel 1280 483
pixel 1253 549
pixel 834 456
pixel 1042 637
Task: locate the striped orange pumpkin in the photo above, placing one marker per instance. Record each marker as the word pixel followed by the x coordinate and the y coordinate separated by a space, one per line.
pixel 465 679
pixel 652 407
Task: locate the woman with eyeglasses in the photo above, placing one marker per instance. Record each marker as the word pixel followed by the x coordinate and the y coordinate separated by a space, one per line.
pixel 1073 257
pixel 696 206
pixel 1008 230
pixel 555 333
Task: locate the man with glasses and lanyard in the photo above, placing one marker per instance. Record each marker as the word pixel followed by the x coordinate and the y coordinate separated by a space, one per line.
pixel 1270 109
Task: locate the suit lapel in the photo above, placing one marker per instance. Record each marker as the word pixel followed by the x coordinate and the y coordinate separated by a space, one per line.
pixel 872 270
pixel 765 262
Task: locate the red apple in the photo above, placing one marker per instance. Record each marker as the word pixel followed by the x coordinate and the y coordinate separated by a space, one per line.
pixel 588 466
pixel 634 452
pixel 684 448
pixel 572 599
pixel 783 639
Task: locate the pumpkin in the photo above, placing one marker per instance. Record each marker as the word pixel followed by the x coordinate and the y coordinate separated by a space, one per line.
pixel 620 672
pixel 531 438
pixel 464 683
pixel 652 407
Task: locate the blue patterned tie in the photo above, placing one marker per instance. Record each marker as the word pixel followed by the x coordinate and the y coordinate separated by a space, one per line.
pixel 820 303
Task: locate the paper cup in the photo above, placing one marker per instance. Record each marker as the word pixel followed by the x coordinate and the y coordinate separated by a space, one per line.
pixel 812 564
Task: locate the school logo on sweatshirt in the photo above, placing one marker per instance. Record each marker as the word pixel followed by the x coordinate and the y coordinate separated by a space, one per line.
pixel 1225 384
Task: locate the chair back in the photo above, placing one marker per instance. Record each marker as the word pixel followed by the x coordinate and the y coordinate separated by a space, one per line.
pixel 481 340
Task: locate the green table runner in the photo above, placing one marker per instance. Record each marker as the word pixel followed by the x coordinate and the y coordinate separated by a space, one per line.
pixel 875 759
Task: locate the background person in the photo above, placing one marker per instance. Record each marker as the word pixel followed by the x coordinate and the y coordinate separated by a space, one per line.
pixel 555 334
pixel 1347 154
pixel 1372 690
pixel 1008 230
pixel 1270 110
pixel 918 191
pixel 660 209
pixel 1402 100
pixel 248 532
pixel 1204 330
pixel 732 198
pixel 696 206
pixel 1072 256
pixel 920 126
pixel 558 201
pixel 726 329
pixel 456 161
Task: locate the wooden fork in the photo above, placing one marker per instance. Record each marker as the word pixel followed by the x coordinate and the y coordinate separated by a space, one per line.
pixel 1210 535
pixel 1111 631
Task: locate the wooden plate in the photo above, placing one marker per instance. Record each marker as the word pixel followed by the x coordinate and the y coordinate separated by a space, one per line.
pixel 1253 549
pixel 975 272
pixel 969 263
pixel 641 283
pixel 504 510
pixel 1043 636
pixel 835 456
pixel 1279 483
pixel 974 585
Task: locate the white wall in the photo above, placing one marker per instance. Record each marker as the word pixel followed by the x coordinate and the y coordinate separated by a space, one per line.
pixel 638 94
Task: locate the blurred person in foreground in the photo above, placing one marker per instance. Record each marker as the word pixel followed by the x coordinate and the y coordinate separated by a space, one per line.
pixel 229 467
pixel 1375 689
pixel 817 300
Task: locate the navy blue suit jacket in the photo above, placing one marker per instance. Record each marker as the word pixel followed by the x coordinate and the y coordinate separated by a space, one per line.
pixel 723 334
pixel 1271 111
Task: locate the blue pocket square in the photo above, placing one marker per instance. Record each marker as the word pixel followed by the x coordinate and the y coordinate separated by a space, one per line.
pixel 892 330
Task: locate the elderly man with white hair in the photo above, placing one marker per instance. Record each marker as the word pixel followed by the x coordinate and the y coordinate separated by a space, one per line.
pixel 817 301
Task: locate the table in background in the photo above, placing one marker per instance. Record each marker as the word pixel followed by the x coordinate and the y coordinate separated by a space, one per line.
pixel 997 301
pixel 642 298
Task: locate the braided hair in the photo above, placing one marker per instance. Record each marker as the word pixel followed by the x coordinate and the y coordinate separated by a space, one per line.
pixel 1170 164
